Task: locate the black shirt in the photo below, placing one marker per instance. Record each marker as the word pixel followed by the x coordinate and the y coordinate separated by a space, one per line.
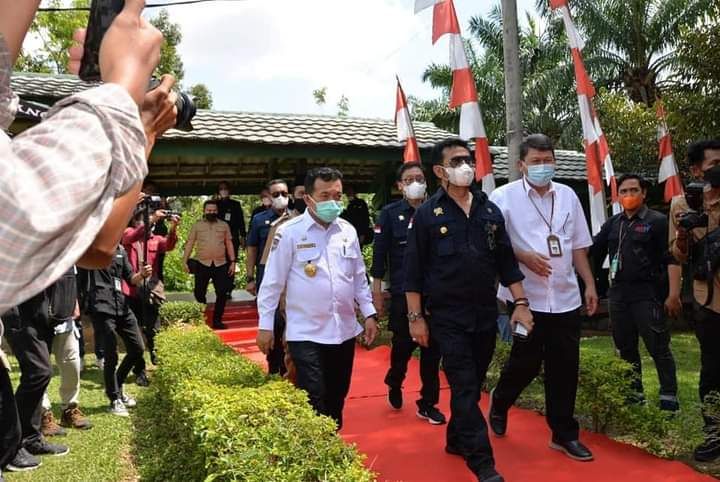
pixel 105 289
pixel 454 260
pixel 640 244
pixel 358 214
pixel 391 233
pixel 231 212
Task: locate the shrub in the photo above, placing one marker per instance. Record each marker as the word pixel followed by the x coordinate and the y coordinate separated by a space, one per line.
pixel 187 312
pixel 213 415
pixel 604 386
pixel 500 357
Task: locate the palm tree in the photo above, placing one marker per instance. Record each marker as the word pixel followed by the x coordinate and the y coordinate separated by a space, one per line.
pixel 635 40
pixel 549 102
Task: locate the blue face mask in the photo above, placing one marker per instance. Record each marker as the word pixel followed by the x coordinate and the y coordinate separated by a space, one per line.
pixel 328 211
pixel 541 174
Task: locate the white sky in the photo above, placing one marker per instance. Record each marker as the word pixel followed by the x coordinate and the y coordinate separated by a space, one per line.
pixel 269 55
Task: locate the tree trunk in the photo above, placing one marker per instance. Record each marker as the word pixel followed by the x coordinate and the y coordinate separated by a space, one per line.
pixel 513 86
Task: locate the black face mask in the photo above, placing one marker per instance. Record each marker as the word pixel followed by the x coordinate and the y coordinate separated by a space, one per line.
pixel 211 217
pixel 300 205
pixel 712 176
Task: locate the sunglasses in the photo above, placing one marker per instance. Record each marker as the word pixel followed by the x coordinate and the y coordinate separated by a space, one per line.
pixel 279 193
pixel 409 180
pixel 458 161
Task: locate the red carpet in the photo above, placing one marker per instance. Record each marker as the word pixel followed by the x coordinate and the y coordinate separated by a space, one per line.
pixel 401 447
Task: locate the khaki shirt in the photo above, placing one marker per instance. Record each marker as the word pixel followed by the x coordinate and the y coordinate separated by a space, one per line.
pixel 700 289
pixel 211 241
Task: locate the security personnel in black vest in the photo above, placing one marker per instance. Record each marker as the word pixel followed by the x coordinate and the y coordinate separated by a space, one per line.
pixel 457 249
pixel 636 242
pixel 389 251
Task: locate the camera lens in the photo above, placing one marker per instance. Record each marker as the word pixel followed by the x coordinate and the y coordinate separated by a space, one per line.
pixel 186 110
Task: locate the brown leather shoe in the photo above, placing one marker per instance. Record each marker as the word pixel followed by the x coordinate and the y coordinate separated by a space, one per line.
pixel 49 427
pixel 72 417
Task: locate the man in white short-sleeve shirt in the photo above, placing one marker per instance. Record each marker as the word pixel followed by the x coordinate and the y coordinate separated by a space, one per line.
pixel 550 237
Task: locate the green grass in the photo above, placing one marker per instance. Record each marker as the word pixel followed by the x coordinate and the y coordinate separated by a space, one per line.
pixel 99 454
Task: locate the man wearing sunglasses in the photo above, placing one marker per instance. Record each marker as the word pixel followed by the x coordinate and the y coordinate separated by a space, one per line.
pixel 457 248
pixel 259 229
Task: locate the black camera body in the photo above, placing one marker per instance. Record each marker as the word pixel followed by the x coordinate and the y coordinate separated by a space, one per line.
pixel 154 203
pixel 696 218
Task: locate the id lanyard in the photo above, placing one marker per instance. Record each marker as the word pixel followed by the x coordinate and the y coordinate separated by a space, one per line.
pixel 553 242
pixel 617 261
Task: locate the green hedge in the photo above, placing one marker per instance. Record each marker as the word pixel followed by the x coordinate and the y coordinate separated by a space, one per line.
pixel 187 312
pixel 213 415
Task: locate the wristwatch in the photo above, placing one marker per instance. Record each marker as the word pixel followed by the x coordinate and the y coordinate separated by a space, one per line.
pixel 413 316
pixel 522 302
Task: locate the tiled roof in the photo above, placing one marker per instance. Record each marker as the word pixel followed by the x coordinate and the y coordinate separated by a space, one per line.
pixel 289 129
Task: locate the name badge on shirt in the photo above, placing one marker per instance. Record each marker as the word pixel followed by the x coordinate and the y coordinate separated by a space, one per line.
pixel 227 216
pixel 554 247
pixel 118 284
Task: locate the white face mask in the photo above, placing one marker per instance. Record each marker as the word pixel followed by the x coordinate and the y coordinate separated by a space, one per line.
pixel 415 190
pixel 460 176
pixel 280 202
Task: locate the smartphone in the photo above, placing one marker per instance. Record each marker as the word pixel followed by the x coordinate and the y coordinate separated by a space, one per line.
pixel 102 14
pixel 519 331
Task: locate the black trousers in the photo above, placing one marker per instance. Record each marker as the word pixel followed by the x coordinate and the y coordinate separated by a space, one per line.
pixel 148 317
pixel 466 356
pixel 231 279
pixel 707 331
pixel 276 356
pixel 10 429
pixel 401 351
pixel 324 372
pixel 646 319
pixel 554 342
pixel 126 327
pixel 28 333
pixel 219 277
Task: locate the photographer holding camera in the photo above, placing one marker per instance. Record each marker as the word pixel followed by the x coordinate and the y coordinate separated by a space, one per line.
pixel 695 239
pixel 144 248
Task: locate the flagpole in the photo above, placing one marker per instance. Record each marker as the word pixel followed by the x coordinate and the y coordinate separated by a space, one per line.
pixel 513 86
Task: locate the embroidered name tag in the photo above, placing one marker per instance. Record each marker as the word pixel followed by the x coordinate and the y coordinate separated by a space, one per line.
pixel 306 246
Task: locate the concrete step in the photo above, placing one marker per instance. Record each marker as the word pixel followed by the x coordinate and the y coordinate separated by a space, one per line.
pixel 234 335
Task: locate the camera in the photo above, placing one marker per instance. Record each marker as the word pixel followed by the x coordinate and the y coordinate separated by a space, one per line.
pixel 185 106
pixel 154 203
pixel 694 197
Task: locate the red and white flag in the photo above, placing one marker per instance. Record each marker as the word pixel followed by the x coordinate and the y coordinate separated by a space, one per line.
pixel 463 93
pixel 405 130
pixel 597 151
pixel 668 169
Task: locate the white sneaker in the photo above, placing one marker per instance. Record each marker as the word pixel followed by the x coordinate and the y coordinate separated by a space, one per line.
pixel 100 363
pixel 128 401
pixel 117 407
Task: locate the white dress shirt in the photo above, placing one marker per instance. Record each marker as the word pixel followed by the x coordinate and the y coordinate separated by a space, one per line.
pixel 528 231
pixel 319 308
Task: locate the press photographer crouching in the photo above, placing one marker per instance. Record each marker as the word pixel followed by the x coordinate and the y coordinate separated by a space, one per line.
pixel 695 239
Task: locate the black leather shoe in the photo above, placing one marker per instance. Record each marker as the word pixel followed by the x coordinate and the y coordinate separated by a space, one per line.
pixel 395 398
pixel 489 474
pixel 573 449
pixel 452 450
pixel 498 421
pixel 219 326
pixel 707 451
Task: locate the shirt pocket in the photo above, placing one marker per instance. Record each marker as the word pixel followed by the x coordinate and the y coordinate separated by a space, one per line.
pixel 443 239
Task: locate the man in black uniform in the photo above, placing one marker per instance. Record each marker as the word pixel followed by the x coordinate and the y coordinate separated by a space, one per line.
pixel 357 213
pixel 636 242
pixel 111 315
pixel 389 250
pixel 457 249
pixel 231 212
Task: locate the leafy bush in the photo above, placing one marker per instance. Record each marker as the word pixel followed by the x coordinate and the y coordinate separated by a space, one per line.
pixel 213 415
pixel 187 312
pixel 604 387
pixel 500 357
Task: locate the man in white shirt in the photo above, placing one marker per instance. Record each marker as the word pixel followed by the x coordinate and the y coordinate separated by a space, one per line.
pixel 550 237
pixel 316 259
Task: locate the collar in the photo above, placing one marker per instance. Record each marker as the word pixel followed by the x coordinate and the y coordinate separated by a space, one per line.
pixel 528 188
pixel 640 214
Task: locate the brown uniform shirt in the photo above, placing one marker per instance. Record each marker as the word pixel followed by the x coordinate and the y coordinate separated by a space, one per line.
pixel 210 242
pixel 700 288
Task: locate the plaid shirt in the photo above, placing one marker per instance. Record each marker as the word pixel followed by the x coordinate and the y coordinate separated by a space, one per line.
pixel 58 181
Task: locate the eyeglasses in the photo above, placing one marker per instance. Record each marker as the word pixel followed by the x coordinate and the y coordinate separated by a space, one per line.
pixel 458 161
pixel 409 180
pixel 279 193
